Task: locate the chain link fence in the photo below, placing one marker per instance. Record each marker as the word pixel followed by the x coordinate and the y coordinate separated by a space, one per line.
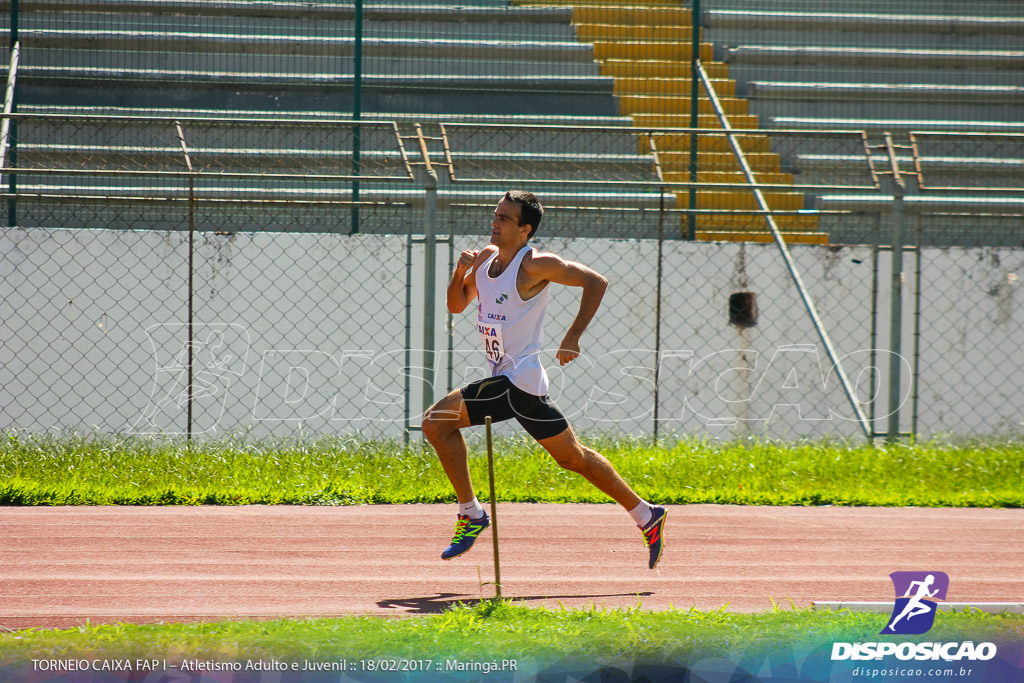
pixel 173 276
pixel 223 216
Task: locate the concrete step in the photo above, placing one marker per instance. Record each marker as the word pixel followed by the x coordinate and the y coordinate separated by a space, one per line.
pixel 659 68
pixel 552 95
pixel 762 237
pixel 323 10
pixel 983 8
pixel 313 163
pixel 887 92
pixel 679 120
pixel 128 77
pixel 677 87
pixel 673 142
pixel 657 4
pixel 910 30
pixel 671 51
pixel 895 125
pixel 308 65
pixel 546 166
pixel 742 200
pixel 744 74
pixel 441 25
pixel 220 159
pixel 624 14
pixel 735 222
pixel 767 110
pixel 655 104
pixel 890 58
pixel 924 204
pixel 735 177
pixel 886 101
pixel 633 32
pixel 335 193
pixel 914 22
pixel 994 172
pixel 583 143
pixel 184 42
pixel 760 162
pixel 404 117
pixel 963 164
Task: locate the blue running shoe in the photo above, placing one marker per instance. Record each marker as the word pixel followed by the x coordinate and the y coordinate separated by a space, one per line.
pixel 654 534
pixel 466 531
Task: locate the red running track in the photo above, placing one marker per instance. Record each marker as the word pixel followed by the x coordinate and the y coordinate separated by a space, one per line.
pixel 62 566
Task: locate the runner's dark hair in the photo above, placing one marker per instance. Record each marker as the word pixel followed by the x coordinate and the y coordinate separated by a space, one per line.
pixel 530 210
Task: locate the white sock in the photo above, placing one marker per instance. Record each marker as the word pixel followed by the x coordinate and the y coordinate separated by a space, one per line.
pixel 642 514
pixel 473 509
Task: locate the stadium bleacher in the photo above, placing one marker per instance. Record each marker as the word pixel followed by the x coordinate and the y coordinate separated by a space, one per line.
pixel 881 67
pixel 296 56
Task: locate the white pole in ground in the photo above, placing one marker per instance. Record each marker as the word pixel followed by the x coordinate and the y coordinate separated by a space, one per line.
pixel 494 509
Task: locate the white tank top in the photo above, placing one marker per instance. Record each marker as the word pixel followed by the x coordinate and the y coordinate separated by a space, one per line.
pixel 511 329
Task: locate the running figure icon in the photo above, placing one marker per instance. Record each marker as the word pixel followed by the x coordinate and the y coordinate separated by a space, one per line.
pixel 916 605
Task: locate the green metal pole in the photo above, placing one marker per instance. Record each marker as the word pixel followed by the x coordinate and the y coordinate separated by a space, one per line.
pixel 357 112
pixel 657 310
pixel 429 285
pixel 694 114
pixel 408 330
pixel 12 141
pixel 916 375
pixel 873 379
pixel 12 179
pixel 896 316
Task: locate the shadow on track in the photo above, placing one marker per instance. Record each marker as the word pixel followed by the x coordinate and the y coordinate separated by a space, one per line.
pixel 435 604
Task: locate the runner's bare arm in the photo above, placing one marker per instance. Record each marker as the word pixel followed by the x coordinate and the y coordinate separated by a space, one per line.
pixel 553 268
pixel 462 288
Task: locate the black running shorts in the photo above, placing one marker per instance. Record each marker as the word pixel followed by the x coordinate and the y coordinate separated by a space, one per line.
pixel 502 400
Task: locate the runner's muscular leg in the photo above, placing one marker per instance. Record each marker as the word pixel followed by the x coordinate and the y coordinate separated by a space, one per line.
pixel 569 453
pixel 441 427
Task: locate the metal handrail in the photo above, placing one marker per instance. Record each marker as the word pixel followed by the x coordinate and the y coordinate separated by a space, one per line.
pixel 786 256
pixel 169 119
pixel 650 133
pixel 653 185
pixel 5 126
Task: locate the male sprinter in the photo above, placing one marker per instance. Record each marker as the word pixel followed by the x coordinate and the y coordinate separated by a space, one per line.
pixel 511 280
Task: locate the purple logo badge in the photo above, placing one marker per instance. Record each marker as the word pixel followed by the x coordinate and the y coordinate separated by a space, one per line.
pixel 916 597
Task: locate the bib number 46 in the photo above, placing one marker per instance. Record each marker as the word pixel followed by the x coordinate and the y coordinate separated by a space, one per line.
pixel 491 336
pixel 493 348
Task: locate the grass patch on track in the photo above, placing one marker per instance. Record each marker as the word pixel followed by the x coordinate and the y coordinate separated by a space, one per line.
pixel 495 630
pixel 136 470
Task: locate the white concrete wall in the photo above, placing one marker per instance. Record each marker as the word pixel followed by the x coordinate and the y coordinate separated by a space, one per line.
pixel 306 332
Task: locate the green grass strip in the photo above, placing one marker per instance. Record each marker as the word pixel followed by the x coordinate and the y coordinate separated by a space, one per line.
pixel 495 630
pixel 39 469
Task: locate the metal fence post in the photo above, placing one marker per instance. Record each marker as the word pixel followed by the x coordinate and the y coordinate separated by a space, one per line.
pixel 896 315
pixel 896 295
pixel 14 23
pixel 357 113
pixel 408 333
pixel 659 275
pixel 695 21
pixel 874 378
pixel 429 284
pixel 916 373
pixel 9 132
pixel 12 126
pixel 191 276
